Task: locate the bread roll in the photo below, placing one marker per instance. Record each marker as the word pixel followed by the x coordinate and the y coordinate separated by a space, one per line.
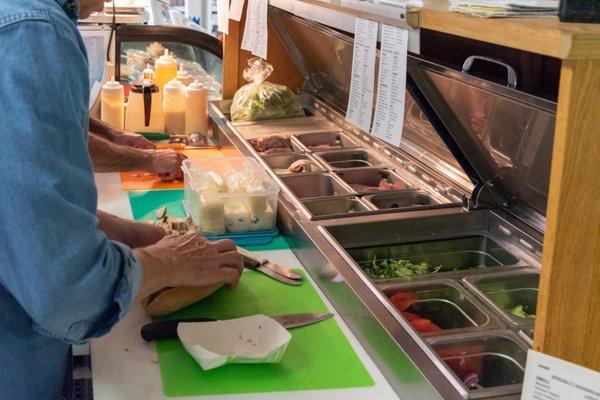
pixel 170 300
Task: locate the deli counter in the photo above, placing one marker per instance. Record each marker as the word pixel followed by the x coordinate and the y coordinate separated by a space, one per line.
pixel 447 228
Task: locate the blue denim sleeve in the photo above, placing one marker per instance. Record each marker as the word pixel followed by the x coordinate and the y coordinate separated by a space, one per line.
pixel 73 282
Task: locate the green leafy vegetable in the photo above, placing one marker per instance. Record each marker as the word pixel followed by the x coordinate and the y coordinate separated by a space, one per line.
pixel 519 311
pixel 390 268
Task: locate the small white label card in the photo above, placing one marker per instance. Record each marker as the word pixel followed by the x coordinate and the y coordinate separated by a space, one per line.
pixel 391 85
pixel 360 100
pixel 550 378
pixel 256 28
pixel 249 27
pixel 235 10
pixel 223 16
pixel 262 31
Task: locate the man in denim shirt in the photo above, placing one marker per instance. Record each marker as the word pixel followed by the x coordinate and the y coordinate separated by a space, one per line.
pixel 62 281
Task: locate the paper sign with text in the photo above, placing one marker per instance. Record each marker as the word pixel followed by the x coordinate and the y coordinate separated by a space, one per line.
pixel 550 378
pixel 391 85
pixel 360 100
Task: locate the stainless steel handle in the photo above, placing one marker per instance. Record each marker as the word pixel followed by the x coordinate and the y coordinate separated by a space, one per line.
pixel 511 75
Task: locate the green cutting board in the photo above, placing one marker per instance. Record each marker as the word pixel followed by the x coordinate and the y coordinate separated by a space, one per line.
pixel 145 203
pixel 318 357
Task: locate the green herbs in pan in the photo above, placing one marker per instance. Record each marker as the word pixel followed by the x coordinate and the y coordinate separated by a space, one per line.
pixel 519 311
pixel 390 268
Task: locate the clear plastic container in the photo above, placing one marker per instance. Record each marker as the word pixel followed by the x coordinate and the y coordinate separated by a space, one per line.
pixel 230 196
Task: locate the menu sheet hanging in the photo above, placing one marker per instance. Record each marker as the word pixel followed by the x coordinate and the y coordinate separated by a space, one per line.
pixel 235 10
pixel 223 16
pixel 391 85
pixel 550 378
pixel 360 100
pixel 256 28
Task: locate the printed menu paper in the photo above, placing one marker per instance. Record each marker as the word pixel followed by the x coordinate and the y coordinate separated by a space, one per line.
pixel 391 85
pixel 256 28
pixel 360 100
pixel 550 378
pixel 235 10
pixel 223 16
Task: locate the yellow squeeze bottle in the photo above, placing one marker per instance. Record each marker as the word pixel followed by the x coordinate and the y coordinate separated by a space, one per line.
pixel 165 69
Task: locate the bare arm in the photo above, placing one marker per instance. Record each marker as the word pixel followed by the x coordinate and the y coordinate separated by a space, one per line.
pixel 113 135
pixel 133 234
pixel 111 157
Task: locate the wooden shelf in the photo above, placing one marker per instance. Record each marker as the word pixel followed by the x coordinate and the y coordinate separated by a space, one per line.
pixel 547 36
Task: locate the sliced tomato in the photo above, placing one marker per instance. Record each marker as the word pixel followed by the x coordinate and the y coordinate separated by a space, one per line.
pixel 403 300
pixel 421 325
pixel 410 316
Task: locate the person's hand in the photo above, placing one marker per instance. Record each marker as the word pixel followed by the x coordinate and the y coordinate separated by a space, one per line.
pixel 166 164
pixel 133 140
pixel 188 260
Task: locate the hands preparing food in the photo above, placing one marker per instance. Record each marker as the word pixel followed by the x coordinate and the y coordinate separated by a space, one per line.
pixel 188 260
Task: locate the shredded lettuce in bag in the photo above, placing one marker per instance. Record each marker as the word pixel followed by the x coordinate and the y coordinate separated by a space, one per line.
pixel 262 100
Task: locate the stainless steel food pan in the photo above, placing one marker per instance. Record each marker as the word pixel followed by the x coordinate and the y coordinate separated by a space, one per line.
pixel 371 177
pixel 487 364
pixel 505 290
pixel 452 254
pixel 322 141
pixel 403 200
pixel 344 159
pixel 314 185
pixel 446 304
pixel 279 163
pixel 336 207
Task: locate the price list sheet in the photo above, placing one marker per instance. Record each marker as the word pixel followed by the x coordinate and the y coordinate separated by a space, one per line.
pixel 391 85
pixel 360 101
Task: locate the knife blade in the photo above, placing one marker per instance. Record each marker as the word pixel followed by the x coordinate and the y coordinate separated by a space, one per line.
pixel 278 269
pixel 168 329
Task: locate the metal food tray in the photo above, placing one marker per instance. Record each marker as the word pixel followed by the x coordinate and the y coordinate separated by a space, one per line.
pixel 311 140
pixel 336 207
pixel 447 304
pixel 279 163
pixel 505 290
pixel 315 185
pixel 348 159
pixel 370 177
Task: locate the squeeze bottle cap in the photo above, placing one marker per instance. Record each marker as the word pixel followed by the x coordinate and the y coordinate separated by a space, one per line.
pixel 112 84
pixel 196 85
pixel 182 73
pixel 166 57
pixel 174 84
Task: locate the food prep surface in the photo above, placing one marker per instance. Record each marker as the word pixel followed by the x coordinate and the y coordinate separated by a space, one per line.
pixel 125 367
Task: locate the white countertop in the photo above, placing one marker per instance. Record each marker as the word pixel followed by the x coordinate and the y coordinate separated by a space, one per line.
pixel 126 367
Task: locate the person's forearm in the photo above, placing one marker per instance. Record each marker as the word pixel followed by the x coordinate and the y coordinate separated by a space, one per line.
pixel 110 157
pixel 102 129
pixel 133 234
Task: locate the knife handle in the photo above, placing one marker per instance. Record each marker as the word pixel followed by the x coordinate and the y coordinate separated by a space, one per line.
pixel 166 329
pixel 249 255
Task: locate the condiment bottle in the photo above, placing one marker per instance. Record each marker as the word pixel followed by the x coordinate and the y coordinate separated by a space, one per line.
pixel 112 104
pixel 148 74
pixel 144 109
pixel 183 76
pixel 165 69
pixel 174 106
pixel 196 119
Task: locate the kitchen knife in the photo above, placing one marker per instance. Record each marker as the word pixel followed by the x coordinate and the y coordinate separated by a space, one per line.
pixel 288 273
pixel 168 329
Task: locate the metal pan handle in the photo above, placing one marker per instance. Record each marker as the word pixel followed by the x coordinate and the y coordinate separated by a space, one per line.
pixel 511 75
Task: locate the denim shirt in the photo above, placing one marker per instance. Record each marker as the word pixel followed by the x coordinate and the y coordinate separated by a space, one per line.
pixel 61 280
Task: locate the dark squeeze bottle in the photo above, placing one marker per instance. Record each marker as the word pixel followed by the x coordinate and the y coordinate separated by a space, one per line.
pixel 579 10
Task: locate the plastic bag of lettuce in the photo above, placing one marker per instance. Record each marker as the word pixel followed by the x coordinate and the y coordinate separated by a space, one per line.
pixel 260 99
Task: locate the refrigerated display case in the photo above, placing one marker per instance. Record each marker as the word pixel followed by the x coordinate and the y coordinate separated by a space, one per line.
pixel 462 236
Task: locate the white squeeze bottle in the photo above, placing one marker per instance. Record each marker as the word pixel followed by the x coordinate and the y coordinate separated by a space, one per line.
pixel 183 76
pixel 112 104
pixel 196 119
pixel 174 107
pixel 165 69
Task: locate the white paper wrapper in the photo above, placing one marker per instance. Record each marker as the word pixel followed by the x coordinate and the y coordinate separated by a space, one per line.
pixel 255 339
